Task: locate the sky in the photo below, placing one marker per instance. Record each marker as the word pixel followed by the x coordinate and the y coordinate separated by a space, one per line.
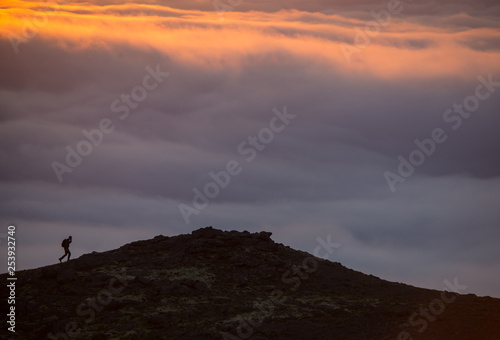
pixel 368 124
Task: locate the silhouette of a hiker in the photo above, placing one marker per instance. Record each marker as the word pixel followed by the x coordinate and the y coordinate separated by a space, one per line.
pixel 65 245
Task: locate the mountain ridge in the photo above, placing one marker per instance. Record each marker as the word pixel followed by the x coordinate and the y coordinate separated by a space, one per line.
pixel 214 284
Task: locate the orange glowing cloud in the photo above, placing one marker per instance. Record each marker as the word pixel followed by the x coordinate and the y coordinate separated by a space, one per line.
pixel 199 38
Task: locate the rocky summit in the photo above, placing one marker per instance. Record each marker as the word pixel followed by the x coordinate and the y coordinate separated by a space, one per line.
pixel 214 284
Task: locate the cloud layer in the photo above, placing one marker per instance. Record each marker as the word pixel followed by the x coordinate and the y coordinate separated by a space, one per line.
pixel 322 174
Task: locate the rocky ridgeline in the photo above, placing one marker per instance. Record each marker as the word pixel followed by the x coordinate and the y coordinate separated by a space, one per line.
pixel 215 284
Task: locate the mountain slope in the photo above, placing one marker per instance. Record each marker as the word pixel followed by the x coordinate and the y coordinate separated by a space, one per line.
pixel 214 284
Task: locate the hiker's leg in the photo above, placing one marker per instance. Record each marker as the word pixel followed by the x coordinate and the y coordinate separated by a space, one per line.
pixel 66 251
pixel 69 254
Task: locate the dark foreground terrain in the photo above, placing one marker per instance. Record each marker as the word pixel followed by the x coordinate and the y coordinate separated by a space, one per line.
pixel 214 284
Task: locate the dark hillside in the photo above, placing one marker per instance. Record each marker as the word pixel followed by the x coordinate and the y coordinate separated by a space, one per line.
pixel 214 284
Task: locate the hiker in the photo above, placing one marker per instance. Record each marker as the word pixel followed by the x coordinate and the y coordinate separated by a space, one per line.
pixel 65 245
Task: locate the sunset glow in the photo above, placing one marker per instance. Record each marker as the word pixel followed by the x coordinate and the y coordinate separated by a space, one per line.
pixel 401 49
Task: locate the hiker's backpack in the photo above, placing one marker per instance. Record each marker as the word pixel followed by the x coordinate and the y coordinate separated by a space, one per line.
pixel 64 243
